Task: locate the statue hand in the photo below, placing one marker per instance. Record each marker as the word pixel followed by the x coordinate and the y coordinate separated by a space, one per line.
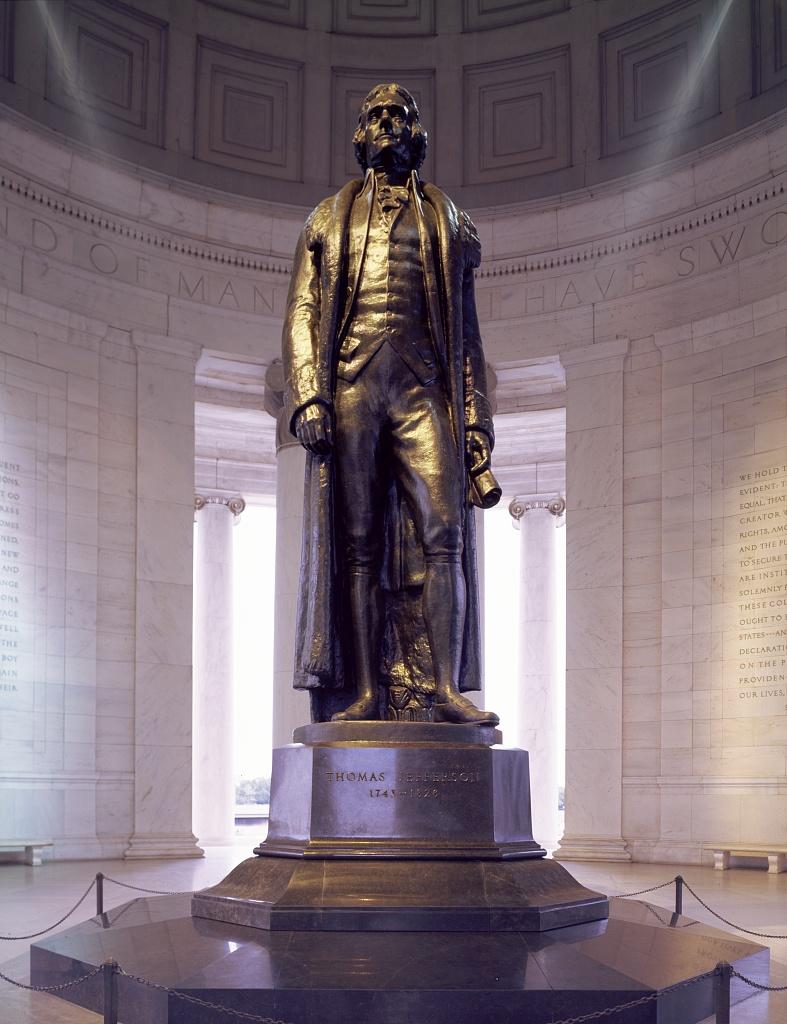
pixel 314 429
pixel 478 450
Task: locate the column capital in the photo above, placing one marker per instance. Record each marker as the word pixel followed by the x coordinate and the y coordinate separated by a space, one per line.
pixel 236 505
pixel 520 505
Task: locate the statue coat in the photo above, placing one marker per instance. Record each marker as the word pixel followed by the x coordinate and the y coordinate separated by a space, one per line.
pixel 327 264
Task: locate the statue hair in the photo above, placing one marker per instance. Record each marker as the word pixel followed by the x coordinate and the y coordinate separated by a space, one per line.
pixel 418 141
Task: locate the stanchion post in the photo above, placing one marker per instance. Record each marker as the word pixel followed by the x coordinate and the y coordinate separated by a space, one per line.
pixel 678 894
pixel 99 894
pixel 110 974
pixel 722 992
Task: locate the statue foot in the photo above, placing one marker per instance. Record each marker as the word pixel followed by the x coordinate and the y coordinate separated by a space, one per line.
pixel 362 710
pixel 456 708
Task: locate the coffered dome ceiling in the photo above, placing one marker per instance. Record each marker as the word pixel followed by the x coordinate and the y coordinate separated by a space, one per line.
pixel 522 99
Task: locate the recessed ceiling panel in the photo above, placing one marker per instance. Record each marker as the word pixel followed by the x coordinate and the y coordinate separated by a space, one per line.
pixel 517 117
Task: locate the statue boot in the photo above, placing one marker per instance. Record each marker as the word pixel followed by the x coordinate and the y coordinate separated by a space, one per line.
pixel 452 706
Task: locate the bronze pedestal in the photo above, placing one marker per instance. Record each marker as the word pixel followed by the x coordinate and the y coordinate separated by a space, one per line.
pixel 390 827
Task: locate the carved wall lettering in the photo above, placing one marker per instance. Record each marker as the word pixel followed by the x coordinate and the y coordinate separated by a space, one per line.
pixel 755 587
pixel 110 59
pixel 656 75
pixel 349 87
pixel 517 117
pixel 480 15
pixel 248 110
pixel 381 17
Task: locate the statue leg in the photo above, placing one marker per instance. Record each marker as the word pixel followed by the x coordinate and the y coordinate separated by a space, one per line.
pixel 444 614
pixel 359 519
pixel 364 602
pixel 434 492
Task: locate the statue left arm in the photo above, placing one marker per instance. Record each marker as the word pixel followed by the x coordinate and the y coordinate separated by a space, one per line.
pixel 479 427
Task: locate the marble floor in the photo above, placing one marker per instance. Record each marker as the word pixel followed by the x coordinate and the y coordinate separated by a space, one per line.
pixel 32 898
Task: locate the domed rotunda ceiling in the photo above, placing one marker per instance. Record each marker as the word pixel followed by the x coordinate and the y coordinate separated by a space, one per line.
pixel 523 99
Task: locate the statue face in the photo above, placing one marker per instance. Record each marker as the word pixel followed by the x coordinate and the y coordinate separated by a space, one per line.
pixel 387 133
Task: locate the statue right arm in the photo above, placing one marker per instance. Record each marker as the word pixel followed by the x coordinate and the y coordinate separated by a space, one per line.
pixel 300 339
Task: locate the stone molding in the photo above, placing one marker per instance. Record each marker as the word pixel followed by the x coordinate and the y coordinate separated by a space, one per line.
pixel 163 344
pixel 595 848
pixel 132 230
pixel 159 844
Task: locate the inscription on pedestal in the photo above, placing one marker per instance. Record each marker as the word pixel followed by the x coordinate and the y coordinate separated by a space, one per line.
pixel 404 785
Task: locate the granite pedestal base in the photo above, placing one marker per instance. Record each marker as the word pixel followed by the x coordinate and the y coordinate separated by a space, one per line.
pixel 400 827
pixel 311 977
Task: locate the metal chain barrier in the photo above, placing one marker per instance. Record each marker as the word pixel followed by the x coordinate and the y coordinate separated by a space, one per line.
pixel 757 984
pixel 594 1015
pixel 240 1014
pixel 737 927
pixel 641 892
pixel 52 988
pixel 35 935
pixel 723 972
pixel 155 892
pixel 610 1010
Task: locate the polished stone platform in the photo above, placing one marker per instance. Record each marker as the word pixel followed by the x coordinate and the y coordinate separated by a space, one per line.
pixel 387 978
pixel 336 894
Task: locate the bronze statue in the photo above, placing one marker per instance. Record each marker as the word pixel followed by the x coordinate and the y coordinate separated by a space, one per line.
pixel 385 387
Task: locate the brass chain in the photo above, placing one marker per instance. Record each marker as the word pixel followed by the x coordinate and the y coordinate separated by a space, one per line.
pixel 155 892
pixel 737 927
pixel 52 988
pixel 641 892
pixel 757 984
pixel 35 935
pixel 242 1014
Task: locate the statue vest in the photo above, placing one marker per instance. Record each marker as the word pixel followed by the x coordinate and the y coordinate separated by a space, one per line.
pixel 390 302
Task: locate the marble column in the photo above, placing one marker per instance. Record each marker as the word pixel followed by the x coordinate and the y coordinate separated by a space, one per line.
pixel 214 749
pixel 290 706
pixel 594 603
pixel 164 604
pixel 537 727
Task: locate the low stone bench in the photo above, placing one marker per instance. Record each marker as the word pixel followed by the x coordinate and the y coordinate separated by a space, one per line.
pixel 30 847
pixel 724 857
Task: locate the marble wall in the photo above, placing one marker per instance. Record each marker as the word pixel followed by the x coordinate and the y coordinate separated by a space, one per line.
pixel 662 300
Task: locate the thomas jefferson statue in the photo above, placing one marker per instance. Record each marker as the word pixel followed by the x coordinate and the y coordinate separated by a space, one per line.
pixel 385 387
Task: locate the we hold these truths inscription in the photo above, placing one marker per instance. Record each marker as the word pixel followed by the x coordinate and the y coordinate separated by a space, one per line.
pixel 755 585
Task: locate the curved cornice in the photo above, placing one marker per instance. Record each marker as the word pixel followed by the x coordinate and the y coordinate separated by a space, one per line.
pixel 235 257
pixel 218 255
pixel 576 256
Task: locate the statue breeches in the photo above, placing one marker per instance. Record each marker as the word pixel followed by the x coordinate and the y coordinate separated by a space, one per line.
pixel 390 427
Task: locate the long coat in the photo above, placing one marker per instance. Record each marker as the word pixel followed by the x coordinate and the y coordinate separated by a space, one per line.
pixel 326 268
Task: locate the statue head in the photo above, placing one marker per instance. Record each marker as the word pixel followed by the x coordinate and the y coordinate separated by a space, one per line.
pixel 389 129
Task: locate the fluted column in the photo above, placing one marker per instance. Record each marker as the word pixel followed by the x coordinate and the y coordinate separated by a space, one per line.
pixel 290 707
pixel 537 725
pixel 214 787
